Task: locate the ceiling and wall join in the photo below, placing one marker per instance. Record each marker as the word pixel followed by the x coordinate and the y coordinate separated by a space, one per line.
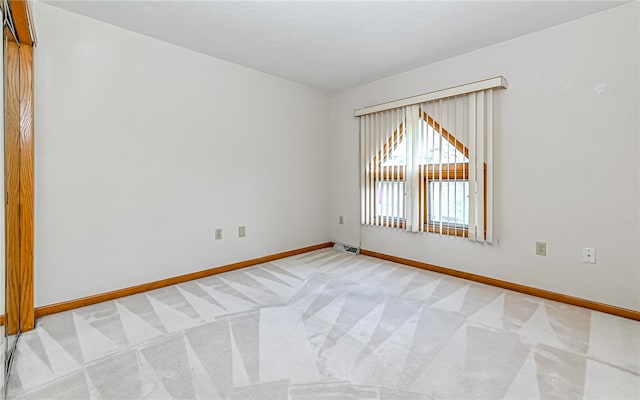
pixel 334 46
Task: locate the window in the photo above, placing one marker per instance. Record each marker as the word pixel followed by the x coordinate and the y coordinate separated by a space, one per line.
pixel 426 161
pixel 444 181
pixel 389 196
pixel 447 202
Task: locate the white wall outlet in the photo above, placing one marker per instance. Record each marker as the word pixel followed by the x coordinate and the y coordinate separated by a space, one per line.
pixel 589 255
pixel 242 231
pixel 341 220
pixel 541 248
pixel 218 233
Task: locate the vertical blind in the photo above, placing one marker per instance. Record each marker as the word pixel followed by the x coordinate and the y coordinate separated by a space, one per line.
pixel 427 167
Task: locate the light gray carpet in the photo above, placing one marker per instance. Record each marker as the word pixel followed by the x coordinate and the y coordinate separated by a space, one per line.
pixel 326 325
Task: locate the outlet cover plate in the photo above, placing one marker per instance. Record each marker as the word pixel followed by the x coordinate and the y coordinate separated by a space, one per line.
pixel 541 248
pixel 589 255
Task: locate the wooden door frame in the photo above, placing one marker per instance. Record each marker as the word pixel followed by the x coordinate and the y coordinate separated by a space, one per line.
pixel 19 162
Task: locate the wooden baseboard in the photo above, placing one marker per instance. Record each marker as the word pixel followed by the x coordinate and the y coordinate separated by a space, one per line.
pixel 98 298
pixel 2 319
pixel 546 294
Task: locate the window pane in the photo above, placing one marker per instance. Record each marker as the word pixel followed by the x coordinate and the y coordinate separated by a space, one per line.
pixel 449 202
pixel 437 150
pixel 397 156
pixel 440 150
pixel 389 199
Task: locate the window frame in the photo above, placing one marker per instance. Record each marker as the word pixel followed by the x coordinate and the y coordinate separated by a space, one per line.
pixel 426 173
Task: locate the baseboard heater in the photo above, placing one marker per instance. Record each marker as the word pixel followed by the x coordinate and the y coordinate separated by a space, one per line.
pixel 346 248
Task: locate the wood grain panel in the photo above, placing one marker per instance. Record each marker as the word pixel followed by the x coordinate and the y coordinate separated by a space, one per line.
pixel 19 170
pixel 516 287
pixel 27 319
pixel 12 186
pixel 21 20
pixel 86 301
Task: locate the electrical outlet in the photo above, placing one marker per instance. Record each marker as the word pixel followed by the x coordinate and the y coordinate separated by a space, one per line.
pixel 341 220
pixel 541 248
pixel 218 234
pixel 242 231
pixel 589 255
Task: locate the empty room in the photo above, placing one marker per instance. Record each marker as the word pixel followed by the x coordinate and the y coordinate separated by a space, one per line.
pixel 320 200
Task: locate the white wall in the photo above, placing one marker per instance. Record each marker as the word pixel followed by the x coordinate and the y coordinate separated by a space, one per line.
pixel 566 160
pixel 143 148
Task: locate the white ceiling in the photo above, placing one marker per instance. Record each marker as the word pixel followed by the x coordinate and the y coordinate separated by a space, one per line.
pixel 334 45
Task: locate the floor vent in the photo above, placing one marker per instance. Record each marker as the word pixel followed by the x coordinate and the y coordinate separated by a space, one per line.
pixel 346 248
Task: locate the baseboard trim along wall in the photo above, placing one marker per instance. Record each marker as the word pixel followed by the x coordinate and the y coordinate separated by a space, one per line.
pixel 546 294
pixel 115 294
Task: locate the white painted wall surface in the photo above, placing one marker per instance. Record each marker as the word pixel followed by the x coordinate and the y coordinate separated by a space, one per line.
pixel 566 160
pixel 143 148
